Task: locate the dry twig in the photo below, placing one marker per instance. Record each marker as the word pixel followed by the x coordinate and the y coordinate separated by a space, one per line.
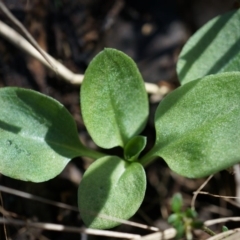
pixel 221 220
pixel 199 189
pixel 36 198
pixel 25 32
pixel 229 235
pixel 58 227
pixel 20 42
pixel 32 48
pixel 66 206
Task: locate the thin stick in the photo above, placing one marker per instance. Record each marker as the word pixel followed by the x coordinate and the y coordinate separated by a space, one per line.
pixel 4 225
pixel 20 42
pixel 199 189
pixel 15 38
pixel 25 32
pixel 166 234
pixel 229 235
pixel 66 206
pixel 36 198
pixel 58 227
pixel 225 198
pixel 218 196
pixel 118 220
pixel 221 220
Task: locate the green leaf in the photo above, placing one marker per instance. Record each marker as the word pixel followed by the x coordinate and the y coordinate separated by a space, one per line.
pixel 134 147
pixel 177 203
pixel 225 229
pixel 214 48
pixel 38 136
pixel 175 219
pixel 190 213
pixel 114 101
pixel 110 187
pixel 180 230
pixel 197 126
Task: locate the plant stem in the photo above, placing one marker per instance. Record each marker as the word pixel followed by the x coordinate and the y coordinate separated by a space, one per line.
pixel 208 230
pixel 87 152
pixel 147 158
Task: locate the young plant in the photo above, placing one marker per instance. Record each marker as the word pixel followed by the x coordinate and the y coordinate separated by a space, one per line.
pixel 197 125
pixel 184 221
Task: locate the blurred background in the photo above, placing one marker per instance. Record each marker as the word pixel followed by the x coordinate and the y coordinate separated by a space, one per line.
pixel 153 33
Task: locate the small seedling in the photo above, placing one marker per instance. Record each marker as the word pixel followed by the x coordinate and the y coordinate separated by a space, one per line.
pixel 197 125
pixel 184 221
pixel 225 229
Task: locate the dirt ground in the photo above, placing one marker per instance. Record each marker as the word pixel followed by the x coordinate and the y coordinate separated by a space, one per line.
pixel 73 31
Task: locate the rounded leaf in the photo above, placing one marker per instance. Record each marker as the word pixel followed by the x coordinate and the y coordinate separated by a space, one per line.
pixel 111 189
pixel 197 126
pixel 114 101
pixel 38 136
pixel 214 48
